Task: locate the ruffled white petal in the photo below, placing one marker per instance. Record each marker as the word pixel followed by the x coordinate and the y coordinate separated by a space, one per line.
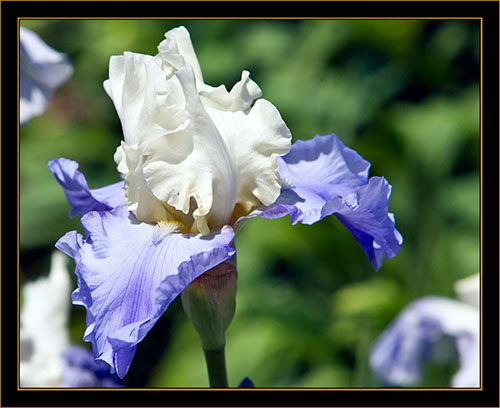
pixel 147 104
pixel 253 140
pixel 206 174
pixel 139 198
pixel 192 152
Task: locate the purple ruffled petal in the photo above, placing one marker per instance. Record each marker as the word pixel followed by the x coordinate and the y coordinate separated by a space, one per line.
pixel 129 272
pixel 322 177
pixel 369 221
pixel 80 197
pixel 399 353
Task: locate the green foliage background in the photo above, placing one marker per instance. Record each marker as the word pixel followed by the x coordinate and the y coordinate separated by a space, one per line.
pixel 403 93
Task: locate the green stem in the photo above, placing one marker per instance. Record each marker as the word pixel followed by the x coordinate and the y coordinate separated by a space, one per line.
pixel 216 365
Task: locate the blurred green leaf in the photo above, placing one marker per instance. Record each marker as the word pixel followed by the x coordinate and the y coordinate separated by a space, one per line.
pixel 369 298
pixel 435 130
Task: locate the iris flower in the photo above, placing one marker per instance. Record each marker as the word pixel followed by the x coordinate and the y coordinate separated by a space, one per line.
pixel 197 162
pixel 47 358
pixel 42 70
pixel 415 336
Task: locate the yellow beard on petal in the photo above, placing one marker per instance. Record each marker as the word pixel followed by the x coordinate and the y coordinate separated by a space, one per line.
pixel 164 228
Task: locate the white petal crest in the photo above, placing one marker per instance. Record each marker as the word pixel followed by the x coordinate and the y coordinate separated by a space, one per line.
pixel 176 50
pixel 240 98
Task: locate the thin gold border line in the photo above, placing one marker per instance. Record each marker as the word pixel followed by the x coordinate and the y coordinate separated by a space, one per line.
pixel 18 109
pixel 481 208
pixel 254 1
pixel 247 389
pixel 248 18
pixel 1 212
pixel 261 388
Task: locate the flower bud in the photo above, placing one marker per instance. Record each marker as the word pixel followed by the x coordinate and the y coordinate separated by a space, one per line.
pixel 210 302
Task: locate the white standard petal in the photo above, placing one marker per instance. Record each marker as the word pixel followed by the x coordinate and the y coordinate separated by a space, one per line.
pixel 254 140
pixel 205 174
pixel 147 104
pixel 193 153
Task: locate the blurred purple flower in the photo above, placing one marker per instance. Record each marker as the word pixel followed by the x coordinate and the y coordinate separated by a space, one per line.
pixel 413 338
pixel 42 70
pixel 81 370
pixel 198 162
pixel 46 357
pixel 246 383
